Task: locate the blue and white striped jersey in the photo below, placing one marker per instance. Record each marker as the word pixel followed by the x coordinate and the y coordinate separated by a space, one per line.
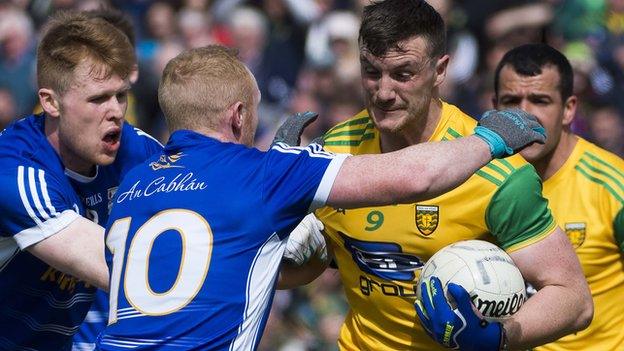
pixel 40 307
pixel 96 194
pixel 195 240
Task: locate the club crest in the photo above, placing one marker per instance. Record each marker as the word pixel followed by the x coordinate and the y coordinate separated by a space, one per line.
pixel 576 233
pixel 167 161
pixel 427 218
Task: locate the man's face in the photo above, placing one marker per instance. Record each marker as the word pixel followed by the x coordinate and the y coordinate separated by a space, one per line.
pixel 399 86
pixel 92 112
pixel 540 96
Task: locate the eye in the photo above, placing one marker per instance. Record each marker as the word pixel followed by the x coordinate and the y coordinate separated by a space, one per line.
pixel 403 76
pixel 122 96
pixel 370 71
pixel 100 99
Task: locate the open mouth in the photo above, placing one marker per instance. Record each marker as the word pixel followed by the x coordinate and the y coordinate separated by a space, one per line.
pixel 112 137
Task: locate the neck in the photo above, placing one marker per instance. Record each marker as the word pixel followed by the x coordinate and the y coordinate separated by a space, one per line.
pixel 70 159
pixel 418 130
pixel 550 164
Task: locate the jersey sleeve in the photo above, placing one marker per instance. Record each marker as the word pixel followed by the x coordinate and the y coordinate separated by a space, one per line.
pixel 297 180
pixel 33 205
pixel 136 147
pixel 518 214
pixel 618 229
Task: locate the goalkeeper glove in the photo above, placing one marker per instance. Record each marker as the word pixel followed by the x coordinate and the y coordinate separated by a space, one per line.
pixel 460 328
pixel 290 131
pixel 305 241
pixel 509 131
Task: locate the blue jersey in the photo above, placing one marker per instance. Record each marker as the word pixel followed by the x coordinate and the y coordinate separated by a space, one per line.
pixel 96 194
pixel 40 307
pixel 195 239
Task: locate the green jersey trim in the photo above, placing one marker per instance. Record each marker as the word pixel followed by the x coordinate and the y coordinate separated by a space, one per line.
pixel 353 122
pixel 618 229
pixel 453 132
pixel 349 132
pixel 518 213
pixel 350 142
pixel 601 161
pixel 488 177
pixel 593 177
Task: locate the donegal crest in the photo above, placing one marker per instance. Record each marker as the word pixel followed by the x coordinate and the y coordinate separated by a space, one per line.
pixel 427 218
pixel 576 233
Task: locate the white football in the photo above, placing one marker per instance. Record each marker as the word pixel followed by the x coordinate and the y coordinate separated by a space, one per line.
pixel 487 273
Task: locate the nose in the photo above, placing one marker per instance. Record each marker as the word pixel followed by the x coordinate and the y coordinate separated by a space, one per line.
pixel 385 89
pixel 117 109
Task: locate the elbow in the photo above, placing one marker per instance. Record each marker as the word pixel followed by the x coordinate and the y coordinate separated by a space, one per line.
pixel 586 313
pixel 421 185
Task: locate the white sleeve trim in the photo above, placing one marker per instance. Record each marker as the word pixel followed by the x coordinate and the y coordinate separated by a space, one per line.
pixel 33 235
pixel 324 188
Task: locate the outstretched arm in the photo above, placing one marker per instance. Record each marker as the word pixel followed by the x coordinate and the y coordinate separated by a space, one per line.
pixel 77 250
pixel 427 170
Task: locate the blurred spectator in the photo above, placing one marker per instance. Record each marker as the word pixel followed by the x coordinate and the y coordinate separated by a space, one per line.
pixel 607 129
pixel 7 108
pixel 304 54
pixel 17 58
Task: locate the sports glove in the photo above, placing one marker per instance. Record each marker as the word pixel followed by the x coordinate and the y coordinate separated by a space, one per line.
pixel 305 241
pixel 457 328
pixel 290 131
pixel 509 131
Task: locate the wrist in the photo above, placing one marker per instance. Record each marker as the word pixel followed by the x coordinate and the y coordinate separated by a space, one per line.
pixel 498 147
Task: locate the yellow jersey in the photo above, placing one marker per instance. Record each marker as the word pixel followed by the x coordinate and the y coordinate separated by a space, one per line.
pixel 381 250
pixel 587 198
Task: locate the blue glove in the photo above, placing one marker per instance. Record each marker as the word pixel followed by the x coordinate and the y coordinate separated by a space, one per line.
pixel 460 328
pixel 509 131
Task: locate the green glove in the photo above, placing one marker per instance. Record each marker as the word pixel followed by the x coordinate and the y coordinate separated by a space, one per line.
pixel 509 131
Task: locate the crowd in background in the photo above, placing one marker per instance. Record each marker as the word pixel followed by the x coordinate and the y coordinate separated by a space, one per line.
pixel 305 57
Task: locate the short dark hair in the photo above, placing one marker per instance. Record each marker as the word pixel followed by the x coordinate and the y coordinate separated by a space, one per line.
pixel 386 23
pixel 529 59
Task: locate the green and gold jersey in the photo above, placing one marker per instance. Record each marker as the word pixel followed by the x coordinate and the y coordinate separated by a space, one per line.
pixel 380 250
pixel 587 198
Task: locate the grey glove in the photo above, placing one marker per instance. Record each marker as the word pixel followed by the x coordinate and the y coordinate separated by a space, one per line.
pixel 509 131
pixel 290 131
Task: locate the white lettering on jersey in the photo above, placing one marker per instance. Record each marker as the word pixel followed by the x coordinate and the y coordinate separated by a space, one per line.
pixel 180 182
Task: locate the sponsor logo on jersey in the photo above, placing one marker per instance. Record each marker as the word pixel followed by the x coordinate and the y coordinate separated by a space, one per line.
pixel 65 282
pixel 384 260
pixel 427 218
pixel 167 161
pixel 93 199
pixel 576 233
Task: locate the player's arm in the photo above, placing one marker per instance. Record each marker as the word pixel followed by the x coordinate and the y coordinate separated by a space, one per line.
pixel 563 303
pixel 78 250
pixel 429 169
pixel 292 275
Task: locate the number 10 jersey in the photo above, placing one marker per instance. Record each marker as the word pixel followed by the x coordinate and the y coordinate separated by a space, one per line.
pixel 195 239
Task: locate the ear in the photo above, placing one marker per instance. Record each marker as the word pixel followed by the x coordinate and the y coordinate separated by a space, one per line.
pixel 49 101
pixel 569 111
pixel 440 68
pixel 236 115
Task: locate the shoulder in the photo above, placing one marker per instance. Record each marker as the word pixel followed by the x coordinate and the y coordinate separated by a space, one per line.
pixel 350 135
pixel 602 168
pixel 597 160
